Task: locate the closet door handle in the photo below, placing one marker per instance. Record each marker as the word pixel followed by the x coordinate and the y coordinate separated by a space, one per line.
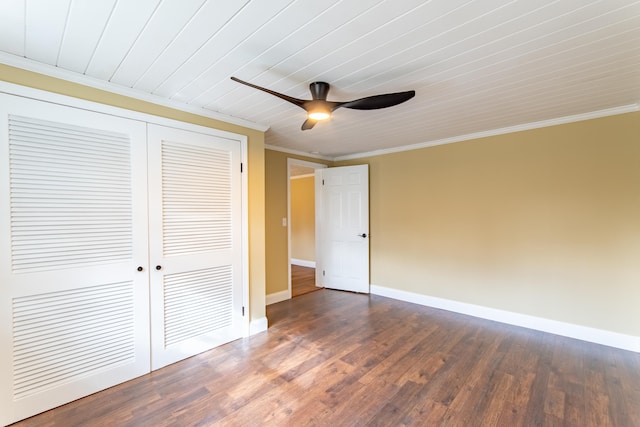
pixel 140 268
pixel 158 267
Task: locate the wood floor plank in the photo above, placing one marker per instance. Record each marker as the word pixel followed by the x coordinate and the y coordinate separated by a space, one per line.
pixel 397 409
pixel 497 400
pixel 303 280
pixel 361 407
pixel 428 413
pixel 335 358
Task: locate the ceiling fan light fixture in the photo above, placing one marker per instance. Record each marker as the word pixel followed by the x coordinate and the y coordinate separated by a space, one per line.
pixel 319 115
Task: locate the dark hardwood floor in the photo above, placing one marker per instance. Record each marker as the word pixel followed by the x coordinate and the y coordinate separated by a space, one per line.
pixel 335 358
pixel 303 280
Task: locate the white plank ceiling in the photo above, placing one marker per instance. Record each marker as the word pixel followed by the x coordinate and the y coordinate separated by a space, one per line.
pixel 477 66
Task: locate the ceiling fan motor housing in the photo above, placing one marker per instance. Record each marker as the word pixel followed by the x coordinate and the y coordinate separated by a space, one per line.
pixel 319 90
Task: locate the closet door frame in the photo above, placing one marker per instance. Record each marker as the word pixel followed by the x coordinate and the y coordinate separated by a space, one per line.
pixel 93 107
pixel 42 95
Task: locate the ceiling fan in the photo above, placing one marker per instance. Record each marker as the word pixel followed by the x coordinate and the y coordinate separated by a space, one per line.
pixel 318 108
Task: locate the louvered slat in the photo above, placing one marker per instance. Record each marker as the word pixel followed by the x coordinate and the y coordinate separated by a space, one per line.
pixel 196 198
pixel 197 302
pixel 70 195
pixel 59 336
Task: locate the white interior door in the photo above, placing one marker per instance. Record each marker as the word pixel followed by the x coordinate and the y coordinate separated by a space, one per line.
pixel 342 220
pixel 195 242
pixel 73 305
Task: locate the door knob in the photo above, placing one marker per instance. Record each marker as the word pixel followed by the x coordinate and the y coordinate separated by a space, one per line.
pixel 158 267
pixel 363 235
pixel 140 268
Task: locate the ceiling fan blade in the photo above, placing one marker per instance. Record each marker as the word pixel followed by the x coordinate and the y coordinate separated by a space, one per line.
pixel 308 124
pixel 379 101
pixel 295 101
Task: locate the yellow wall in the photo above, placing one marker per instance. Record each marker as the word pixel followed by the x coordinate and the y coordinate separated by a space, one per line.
pixel 543 222
pixel 303 218
pixel 255 160
pixel 276 209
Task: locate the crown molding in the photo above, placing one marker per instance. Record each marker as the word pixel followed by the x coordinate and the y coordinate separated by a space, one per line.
pixel 501 131
pixel 51 71
pixel 70 76
pixel 298 153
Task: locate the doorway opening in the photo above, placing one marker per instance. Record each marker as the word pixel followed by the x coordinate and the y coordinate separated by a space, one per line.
pixel 301 229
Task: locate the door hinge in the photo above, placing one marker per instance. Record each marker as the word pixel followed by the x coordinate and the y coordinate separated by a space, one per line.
pixel 243 311
pixel 323 182
pixel 323 273
pixel 240 167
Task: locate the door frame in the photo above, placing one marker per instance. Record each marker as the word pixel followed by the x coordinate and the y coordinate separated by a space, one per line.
pixel 295 162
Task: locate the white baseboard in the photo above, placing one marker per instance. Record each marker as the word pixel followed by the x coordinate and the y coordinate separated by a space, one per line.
pixel 277 297
pixel 584 333
pixel 258 325
pixel 303 262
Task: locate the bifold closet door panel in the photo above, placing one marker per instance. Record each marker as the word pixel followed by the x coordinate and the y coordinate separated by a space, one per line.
pixel 195 242
pixel 74 311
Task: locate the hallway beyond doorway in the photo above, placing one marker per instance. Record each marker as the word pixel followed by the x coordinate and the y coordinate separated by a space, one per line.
pixel 303 280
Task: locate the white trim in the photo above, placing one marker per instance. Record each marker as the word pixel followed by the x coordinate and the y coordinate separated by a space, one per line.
pixel 315 166
pixel 278 297
pixel 59 73
pixel 49 70
pixel 584 333
pixel 297 152
pixel 303 262
pixel 307 175
pixel 297 162
pixel 246 284
pixel 258 325
pixel 511 129
pixel 319 199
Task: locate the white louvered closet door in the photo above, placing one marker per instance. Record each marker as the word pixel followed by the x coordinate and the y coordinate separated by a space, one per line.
pixel 195 243
pixel 73 307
